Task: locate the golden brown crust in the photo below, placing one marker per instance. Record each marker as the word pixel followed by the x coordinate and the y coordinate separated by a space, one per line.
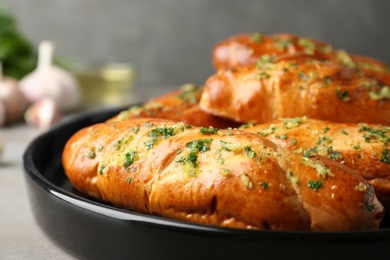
pixel 179 105
pixel 227 178
pixel 297 86
pixel 245 50
pixel 362 147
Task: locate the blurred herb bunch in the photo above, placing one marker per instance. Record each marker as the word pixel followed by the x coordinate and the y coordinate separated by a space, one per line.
pixel 17 54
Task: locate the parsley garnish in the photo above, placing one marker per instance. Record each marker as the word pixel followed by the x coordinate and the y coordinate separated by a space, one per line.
pixel 385 156
pixel 249 152
pixel 129 159
pixel 208 130
pixel 315 185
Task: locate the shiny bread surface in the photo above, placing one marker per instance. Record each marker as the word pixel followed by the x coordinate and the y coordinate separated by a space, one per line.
pixel 362 147
pixel 228 178
pixel 179 105
pixel 297 86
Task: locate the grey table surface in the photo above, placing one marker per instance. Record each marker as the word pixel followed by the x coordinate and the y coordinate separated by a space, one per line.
pixel 20 236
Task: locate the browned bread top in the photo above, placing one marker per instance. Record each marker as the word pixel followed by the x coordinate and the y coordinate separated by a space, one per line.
pixel 297 86
pixel 362 147
pixel 246 49
pixel 226 177
pixel 180 105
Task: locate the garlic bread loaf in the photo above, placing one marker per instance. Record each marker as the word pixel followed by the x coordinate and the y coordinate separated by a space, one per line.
pixel 228 178
pixel 297 86
pixel 179 105
pixel 362 147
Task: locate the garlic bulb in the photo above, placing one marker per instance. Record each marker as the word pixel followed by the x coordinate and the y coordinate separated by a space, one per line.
pixel 13 103
pixel 43 114
pixel 48 80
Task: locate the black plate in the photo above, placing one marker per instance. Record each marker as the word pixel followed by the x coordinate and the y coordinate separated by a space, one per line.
pixel 92 229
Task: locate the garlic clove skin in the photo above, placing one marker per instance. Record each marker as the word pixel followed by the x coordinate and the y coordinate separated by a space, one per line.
pixel 43 114
pixel 48 80
pixel 13 101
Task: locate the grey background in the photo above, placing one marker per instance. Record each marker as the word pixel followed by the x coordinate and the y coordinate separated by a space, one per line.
pixel 170 41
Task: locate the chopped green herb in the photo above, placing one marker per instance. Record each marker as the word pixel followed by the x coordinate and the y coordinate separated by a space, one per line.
pixel 385 156
pixel 308 45
pixel 293 141
pixel 128 180
pixel 264 185
pixel 343 132
pixel 218 157
pixel 208 130
pixel 283 137
pixel 263 75
pixel 100 148
pixel 326 129
pixel 129 159
pixel 101 169
pixel 118 144
pixel 369 205
pixel 327 80
pixel 343 95
pixel 188 94
pixel 324 140
pixel 247 125
pixel 135 129
pixel 282 43
pixel 90 155
pixel 150 125
pixel 290 123
pixel 155 133
pixel 249 152
pixel 315 185
pixel 201 145
pixel 264 61
pixel 230 147
pixel 335 155
pixel 303 76
pixel 270 130
pixel 257 37
pixel 311 152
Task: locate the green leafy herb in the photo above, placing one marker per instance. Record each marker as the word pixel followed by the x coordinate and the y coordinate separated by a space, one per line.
pixel 249 152
pixel 17 54
pixel 257 37
pixel 315 185
pixel 208 130
pixel 188 93
pixel 90 155
pixel 129 159
pixel 385 156
pixel 343 95
pixel 264 185
pixel 155 133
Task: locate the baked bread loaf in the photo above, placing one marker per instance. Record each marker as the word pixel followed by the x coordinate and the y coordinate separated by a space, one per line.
pixel 228 178
pixel 179 105
pixel 361 147
pixel 298 85
pixel 247 49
